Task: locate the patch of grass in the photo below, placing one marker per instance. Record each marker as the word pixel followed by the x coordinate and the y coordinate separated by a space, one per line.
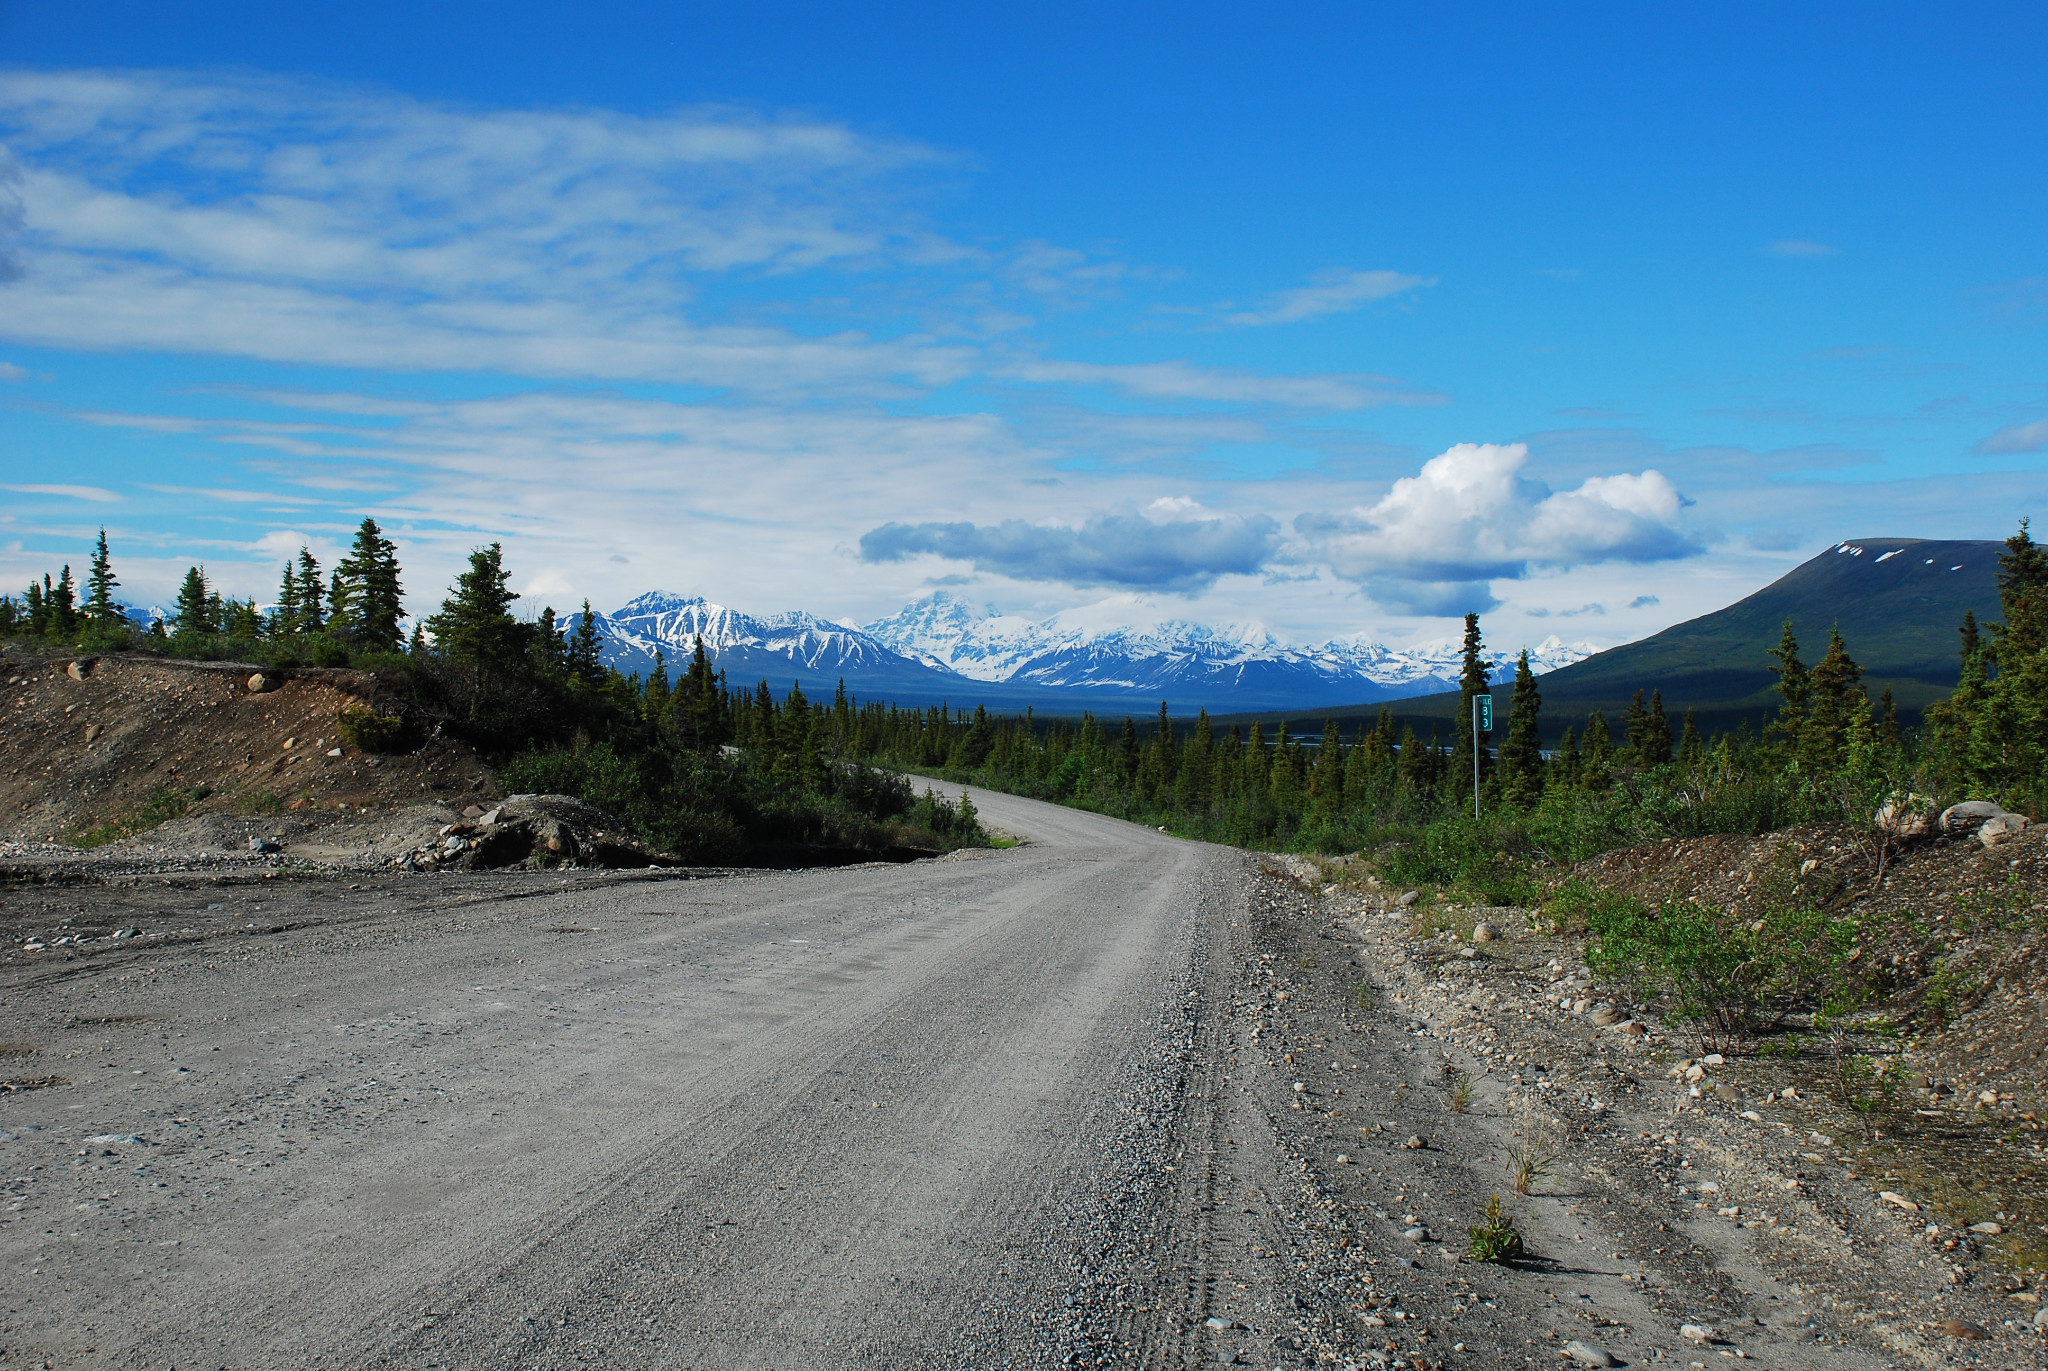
pixel 162 805
pixel 1361 994
pixel 1461 1093
pixel 1306 961
pixel 1494 1238
pixel 253 800
pixel 1529 1163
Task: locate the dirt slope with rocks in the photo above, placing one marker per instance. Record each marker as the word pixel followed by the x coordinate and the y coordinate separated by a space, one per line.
pixel 90 743
pixel 1397 1071
pixel 1947 915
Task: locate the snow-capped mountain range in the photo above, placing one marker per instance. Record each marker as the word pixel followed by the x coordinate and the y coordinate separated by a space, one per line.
pixel 942 648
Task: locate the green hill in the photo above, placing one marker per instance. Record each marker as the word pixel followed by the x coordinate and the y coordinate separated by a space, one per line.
pixel 1898 602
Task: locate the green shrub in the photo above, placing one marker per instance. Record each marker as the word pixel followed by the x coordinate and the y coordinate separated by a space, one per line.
pixel 1494 1238
pixel 1731 977
pixel 365 730
pixel 160 806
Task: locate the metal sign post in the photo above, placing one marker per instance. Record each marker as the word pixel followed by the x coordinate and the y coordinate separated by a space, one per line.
pixel 1482 722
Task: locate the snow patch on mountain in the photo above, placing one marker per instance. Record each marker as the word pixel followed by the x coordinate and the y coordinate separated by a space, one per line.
pixel 944 647
pixel 948 633
pixel 671 624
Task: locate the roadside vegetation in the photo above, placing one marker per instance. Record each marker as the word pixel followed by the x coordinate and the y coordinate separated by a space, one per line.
pixel 1831 755
pixel 709 772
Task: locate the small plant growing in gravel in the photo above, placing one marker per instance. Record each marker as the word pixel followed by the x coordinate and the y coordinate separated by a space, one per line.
pixel 1494 1238
pixel 1868 1085
pixel 1306 961
pixel 1461 1093
pixel 1529 1163
pixel 1361 994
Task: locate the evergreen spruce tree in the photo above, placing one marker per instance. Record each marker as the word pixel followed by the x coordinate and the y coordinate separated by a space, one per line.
pixel 287 619
pixel 1564 767
pixel 1195 781
pixel 474 627
pixel 63 606
pixel 1656 748
pixel 656 695
pixel 1835 700
pixel 241 621
pixel 1415 768
pixel 105 622
pixel 1596 767
pixel 1635 732
pixel 311 617
pixel 1794 691
pixel 1521 753
pixel 1472 683
pixel 339 609
pixel 367 600
pixel 1256 771
pixel 194 610
pixel 1692 749
pixel 36 607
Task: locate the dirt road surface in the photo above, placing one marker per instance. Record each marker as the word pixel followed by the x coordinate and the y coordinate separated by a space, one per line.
pixel 1035 1106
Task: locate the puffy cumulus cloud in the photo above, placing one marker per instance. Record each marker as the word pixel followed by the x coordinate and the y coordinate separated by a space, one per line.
pixel 2016 438
pixel 1184 555
pixel 1435 542
pixel 1337 291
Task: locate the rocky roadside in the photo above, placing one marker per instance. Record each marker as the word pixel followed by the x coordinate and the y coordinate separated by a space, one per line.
pixel 1681 1209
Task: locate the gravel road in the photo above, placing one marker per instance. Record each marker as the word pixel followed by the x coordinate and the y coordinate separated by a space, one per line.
pixel 1104 1099
pixel 880 1116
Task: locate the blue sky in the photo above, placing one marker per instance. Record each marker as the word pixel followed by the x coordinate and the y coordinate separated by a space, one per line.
pixel 1341 321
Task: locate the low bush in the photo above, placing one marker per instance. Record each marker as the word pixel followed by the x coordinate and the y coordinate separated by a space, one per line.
pixel 1732 978
pixel 365 730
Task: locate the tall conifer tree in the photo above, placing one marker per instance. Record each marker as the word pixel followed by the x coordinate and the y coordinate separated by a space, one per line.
pixel 1473 681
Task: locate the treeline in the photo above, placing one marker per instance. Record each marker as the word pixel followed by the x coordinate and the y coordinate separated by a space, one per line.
pixel 1831 753
pixel 713 773
pixel 709 767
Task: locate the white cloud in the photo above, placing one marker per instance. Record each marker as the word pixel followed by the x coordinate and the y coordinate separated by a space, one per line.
pixel 2016 438
pixel 93 493
pixel 1437 539
pixel 332 226
pixel 1182 381
pixel 11 372
pixel 1336 291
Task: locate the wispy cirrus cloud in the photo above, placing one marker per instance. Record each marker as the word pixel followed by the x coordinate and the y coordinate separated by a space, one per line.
pixel 2016 438
pixel 1182 381
pixel 96 494
pixel 1338 290
pixel 330 225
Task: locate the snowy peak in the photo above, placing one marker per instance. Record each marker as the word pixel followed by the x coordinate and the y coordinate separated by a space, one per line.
pixel 945 647
pixel 671 624
pixel 945 631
